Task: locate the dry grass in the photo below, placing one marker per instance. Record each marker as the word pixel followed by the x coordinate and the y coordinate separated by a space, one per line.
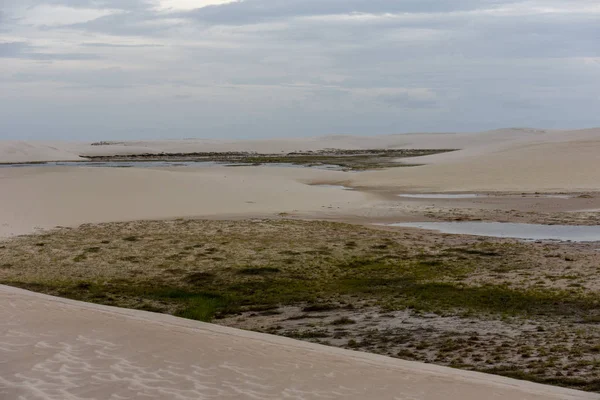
pixel 531 309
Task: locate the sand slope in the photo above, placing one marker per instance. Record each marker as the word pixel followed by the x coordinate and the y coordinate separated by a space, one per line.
pixel 29 151
pixel 546 162
pixel 61 349
pixel 49 196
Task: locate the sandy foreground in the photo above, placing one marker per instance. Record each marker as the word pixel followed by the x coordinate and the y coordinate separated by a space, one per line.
pixel 58 349
pixel 62 349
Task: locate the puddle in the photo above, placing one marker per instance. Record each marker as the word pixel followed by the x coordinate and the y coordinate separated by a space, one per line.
pixel 554 196
pixel 442 196
pixel 475 195
pixel 334 187
pixel 512 230
pixel 328 167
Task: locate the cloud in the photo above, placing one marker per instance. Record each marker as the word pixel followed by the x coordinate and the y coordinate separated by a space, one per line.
pixel 253 11
pixel 275 67
pixel 14 49
pixel 122 45
pixel 56 15
pixel 23 50
pixel 403 97
pixel 130 5
pixel 139 23
pixel 171 5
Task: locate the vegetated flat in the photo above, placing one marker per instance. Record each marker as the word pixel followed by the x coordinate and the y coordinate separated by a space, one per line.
pixel 344 159
pixel 525 310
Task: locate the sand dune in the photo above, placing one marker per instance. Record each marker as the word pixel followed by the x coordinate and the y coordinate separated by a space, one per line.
pixel 61 349
pixel 30 151
pixel 555 161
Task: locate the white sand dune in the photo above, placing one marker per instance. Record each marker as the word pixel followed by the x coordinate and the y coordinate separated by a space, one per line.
pixel 540 162
pixel 31 151
pixel 54 348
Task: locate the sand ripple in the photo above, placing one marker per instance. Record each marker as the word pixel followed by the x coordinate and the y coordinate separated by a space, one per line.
pixel 54 349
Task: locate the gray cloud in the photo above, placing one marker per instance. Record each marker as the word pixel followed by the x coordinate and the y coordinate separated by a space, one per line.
pixel 252 11
pixel 25 51
pixel 120 45
pixel 130 23
pixel 297 67
pixel 100 4
pixel 14 49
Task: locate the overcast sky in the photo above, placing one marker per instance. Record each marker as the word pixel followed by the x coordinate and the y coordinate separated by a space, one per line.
pixel 124 69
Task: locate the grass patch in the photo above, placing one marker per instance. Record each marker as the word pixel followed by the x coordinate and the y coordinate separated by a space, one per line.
pixel 199 278
pixel 564 381
pixel 311 334
pixel 202 307
pixel 432 296
pixel 327 263
pixel 343 321
pixel 258 271
pixel 320 307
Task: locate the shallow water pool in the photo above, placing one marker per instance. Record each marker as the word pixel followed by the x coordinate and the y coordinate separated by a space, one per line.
pixel 573 233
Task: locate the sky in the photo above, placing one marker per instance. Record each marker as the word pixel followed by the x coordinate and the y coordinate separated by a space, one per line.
pixel 127 69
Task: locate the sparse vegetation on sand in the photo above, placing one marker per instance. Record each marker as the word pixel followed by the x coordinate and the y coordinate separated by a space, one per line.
pixel 527 310
pixel 351 160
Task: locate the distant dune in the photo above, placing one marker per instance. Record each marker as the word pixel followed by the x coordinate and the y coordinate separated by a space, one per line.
pixel 33 151
pixel 476 143
pixel 27 151
pixel 505 160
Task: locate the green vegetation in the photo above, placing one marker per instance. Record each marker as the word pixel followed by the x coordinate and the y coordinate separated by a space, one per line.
pixel 343 321
pixel 272 263
pixel 356 160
